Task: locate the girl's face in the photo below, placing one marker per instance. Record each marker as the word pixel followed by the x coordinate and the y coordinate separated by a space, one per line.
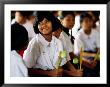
pixel 87 23
pixel 45 26
pixel 20 18
pixel 68 21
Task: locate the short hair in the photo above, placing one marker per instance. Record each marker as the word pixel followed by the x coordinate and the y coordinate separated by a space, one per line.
pixel 19 37
pixel 26 13
pixel 65 13
pixel 40 15
pixel 85 15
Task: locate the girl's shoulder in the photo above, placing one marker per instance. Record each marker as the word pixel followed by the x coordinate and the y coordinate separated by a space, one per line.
pixel 34 40
pixel 56 40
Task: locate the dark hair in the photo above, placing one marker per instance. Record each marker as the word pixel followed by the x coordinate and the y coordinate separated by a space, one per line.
pixel 40 15
pixel 65 13
pixel 96 14
pixel 53 12
pixel 85 15
pixel 19 37
pixel 26 13
pixel 57 23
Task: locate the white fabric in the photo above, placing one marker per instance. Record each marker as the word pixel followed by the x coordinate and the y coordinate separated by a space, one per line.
pixel 17 66
pixel 86 42
pixel 97 28
pixel 30 29
pixel 66 41
pixel 67 45
pixel 43 54
pixel 76 26
pixel 13 21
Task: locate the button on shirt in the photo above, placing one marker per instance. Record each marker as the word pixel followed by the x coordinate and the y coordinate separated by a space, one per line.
pixel 43 54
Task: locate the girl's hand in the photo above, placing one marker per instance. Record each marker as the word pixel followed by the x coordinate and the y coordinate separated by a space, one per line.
pixel 93 64
pixel 76 73
pixel 90 64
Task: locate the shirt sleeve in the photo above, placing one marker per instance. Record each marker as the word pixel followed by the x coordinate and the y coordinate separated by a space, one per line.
pixel 77 45
pixel 31 53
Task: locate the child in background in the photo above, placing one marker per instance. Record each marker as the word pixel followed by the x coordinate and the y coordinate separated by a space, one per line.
pixel 67 19
pixel 20 17
pixel 43 50
pixel 19 41
pixel 88 39
pixel 29 24
pixel 96 20
pixel 69 69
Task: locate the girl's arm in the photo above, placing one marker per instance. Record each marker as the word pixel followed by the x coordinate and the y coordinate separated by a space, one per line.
pixel 72 71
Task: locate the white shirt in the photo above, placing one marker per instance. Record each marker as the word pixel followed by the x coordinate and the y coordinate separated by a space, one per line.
pixel 30 30
pixel 43 54
pixel 87 42
pixel 66 41
pixel 17 68
pixel 76 26
pixel 67 45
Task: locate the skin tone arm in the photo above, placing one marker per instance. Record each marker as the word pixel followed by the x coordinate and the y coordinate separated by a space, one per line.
pixel 72 71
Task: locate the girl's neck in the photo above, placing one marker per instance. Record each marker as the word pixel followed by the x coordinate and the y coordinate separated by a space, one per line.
pixel 88 32
pixel 47 37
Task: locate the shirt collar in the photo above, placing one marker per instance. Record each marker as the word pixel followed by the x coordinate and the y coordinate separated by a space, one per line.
pixel 45 42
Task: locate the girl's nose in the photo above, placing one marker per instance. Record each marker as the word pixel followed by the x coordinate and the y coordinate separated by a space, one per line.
pixel 43 25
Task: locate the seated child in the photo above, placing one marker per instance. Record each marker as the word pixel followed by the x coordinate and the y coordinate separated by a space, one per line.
pixel 60 34
pixel 87 39
pixel 43 50
pixel 19 41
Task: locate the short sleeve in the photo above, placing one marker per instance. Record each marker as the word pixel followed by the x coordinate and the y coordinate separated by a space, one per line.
pixel 31 53
pixel 77 45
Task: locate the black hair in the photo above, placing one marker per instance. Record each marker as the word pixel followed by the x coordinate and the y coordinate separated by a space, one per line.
pixel 40 15
pixel 53 12
pixel 85 15
pixel 65 13
pixel 26 13
pixel 19 37
pixel 58 23
pixel 96 14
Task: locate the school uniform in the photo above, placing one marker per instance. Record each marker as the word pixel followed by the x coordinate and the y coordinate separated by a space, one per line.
pixel 41 54
pixel 17 66
pixel 66 43
pixel 88 44
pixel 76 26
pixel 30 30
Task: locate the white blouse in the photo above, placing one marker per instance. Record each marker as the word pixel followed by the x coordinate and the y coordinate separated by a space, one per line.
pixel 30 29
pixel 43 54
pixel 87 42
pixel 17 66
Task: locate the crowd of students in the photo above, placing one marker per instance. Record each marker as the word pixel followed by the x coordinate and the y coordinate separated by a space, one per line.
pixel 39 37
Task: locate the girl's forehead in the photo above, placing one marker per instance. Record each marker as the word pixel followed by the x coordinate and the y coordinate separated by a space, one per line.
pixel 69 15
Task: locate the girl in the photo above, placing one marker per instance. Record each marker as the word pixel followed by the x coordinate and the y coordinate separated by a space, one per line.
pixel 69 70
pixel 89 40
pixel 43 50
pixel 19 41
